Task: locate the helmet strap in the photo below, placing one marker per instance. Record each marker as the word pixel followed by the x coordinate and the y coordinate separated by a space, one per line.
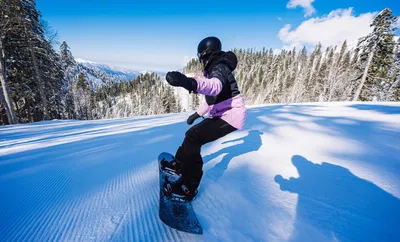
pixel 204 57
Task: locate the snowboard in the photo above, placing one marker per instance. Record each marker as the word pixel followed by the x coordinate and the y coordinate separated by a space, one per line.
pixel 176 214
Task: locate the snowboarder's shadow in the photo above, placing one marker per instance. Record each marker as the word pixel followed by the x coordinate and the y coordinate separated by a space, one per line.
pixel 251 142
pixel 335 205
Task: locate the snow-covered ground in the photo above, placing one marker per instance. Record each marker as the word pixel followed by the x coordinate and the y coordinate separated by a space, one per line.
pixel 310 172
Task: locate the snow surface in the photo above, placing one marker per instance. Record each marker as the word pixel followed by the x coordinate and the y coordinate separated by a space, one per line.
pixel 310 172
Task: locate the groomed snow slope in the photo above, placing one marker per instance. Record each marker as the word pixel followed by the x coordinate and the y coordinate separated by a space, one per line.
pixel 310 172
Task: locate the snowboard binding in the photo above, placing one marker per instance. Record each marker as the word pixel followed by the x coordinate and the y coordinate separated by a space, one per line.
pixel 174 187
pixel 178 191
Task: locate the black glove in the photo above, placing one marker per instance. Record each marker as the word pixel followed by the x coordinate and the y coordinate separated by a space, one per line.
pixel 192 118
pixel 177 79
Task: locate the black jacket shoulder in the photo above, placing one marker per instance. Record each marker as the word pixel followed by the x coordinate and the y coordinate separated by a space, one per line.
pixel 221 65
pixel 220 71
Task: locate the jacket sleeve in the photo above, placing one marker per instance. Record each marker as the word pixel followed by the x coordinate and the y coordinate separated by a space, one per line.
pixel 206 86
pixel 212 86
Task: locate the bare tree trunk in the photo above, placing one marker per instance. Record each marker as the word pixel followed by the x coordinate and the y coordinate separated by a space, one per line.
pixel 4 103
pixel 364 77
pixel 38 78
pixel 5 97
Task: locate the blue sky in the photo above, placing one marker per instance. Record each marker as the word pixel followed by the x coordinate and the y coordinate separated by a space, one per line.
pixel 161 35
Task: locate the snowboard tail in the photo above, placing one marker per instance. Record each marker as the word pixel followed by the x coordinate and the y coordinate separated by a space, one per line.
pixel 176 214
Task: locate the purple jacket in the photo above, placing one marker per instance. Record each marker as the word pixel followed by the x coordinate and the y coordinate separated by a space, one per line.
pixel 223 98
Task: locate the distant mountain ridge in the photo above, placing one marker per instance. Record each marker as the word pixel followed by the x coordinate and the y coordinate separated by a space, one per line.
pixel 116 72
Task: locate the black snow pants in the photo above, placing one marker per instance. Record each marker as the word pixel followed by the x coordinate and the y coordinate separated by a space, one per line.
pixel 188 153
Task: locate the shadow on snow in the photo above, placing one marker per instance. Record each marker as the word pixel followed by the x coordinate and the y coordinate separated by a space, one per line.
pixel 251 142
pixel 336 205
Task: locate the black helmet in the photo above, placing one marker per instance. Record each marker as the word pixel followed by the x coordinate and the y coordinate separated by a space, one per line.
pixel 208 46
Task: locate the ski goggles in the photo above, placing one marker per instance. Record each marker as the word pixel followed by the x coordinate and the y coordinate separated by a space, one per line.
pixel 201 55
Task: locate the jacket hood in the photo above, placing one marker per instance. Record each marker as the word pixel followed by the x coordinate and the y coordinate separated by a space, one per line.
pixel 229 58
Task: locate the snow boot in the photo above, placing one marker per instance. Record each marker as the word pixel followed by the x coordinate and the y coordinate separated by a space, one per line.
pixel 179 190
pixel 173 166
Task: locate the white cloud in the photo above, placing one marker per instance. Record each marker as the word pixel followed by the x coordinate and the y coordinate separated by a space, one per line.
pixel 306 4
pixel 329 30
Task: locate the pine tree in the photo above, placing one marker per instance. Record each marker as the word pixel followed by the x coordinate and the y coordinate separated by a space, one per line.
pixel 378 48
pixel 394 89
pixel 310 78
pixel 301 70
pixel 33 34
pixel 83 96
pixel 343 88
pixel 69 67
pixel 329 75
pixel 8 21
pixel 335 70
pixel 67 58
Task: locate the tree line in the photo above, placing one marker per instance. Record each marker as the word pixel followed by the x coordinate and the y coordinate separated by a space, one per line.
pixel 369 72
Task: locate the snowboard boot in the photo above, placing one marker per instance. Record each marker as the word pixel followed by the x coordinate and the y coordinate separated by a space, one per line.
pixel 173 167
pixel 179 190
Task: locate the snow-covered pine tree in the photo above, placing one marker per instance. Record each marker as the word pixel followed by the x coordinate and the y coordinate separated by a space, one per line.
pixel 343 88
pixel 69 67
pixel 146 95
pixel 53 77
pixel 339 68
pixel 393 93
pixel 273 88
pixel 298 89
pixel 33 35
pixel 319 78
pixel 82 97
pixel 328 81
pixel 310 80
pixel 291 72
pixel 8 24
pixel 67 59
pixel 376 57
pixel 195 101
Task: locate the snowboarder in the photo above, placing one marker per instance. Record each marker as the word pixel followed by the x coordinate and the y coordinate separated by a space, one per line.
pixel 223 103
